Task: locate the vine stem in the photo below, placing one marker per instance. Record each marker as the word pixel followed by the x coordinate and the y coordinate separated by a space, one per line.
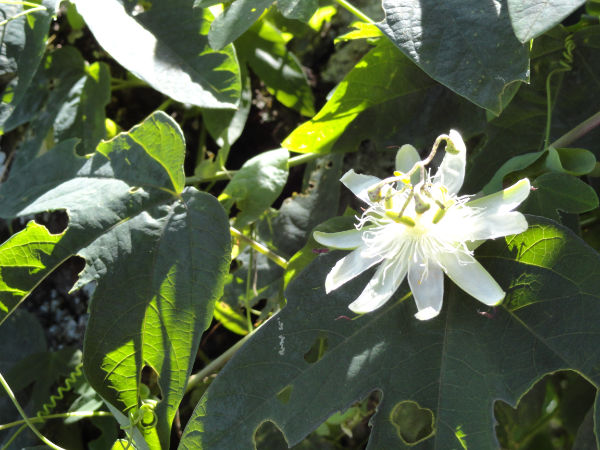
pixel 17 2
pixel 358 13
pixel 227 174
pixel 23 13
pixel 579 131
pixel 261 248
pixel 26 419
pixel 82 414
pixel 217 363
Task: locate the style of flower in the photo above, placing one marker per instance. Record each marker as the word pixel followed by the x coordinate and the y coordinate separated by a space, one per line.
pixel 416 225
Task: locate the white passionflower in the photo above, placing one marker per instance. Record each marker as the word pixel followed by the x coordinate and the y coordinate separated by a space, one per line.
pixel 422 229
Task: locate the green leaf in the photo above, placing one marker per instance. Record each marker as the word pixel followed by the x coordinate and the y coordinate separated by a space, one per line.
pixel 82 112
pixel 263 47
pixel 558 191
pixel 361 30
pixel 547 322
pixel 520 129
pixel 226 126
pixel 235 20
pixel 257 184
pixel 23 44
pixel 572 161
pixel 382 75
pixel 299 214
pixel 158 253
pixel 167 46
pixel 66 99
pixel 313 249
pixel 531 18
pixel 15 345
pixel 466 45
pixel 230 319
pixel 576 161
pixel 298 9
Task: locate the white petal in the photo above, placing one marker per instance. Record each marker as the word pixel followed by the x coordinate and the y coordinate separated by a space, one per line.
pixel 428 290
pixel 343 240
pixel 505 200
pixel 359 184
pixel 350 266
pixel 491 226
pixel 451 172
pixel 381 287
pixel 406 158
pixel 471 277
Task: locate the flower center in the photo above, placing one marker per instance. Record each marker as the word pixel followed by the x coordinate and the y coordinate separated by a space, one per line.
pixel 419 208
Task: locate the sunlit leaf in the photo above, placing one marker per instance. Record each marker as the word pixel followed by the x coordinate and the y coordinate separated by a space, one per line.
pixel 530 18
pixel 167 46
pixel 158 253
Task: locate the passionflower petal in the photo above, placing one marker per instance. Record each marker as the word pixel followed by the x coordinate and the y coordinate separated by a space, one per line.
pixel 416 225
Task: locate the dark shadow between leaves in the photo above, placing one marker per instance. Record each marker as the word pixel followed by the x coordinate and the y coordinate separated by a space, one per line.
pixel 548 415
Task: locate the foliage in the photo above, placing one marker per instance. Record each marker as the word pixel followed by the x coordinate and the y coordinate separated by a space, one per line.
pixel 209 324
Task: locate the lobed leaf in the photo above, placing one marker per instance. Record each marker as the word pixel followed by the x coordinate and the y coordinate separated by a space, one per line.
pixel 546 323
pixel 381 76
pixel 158 253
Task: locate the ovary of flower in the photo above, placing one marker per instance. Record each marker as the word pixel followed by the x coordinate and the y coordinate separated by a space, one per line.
pixel 423 231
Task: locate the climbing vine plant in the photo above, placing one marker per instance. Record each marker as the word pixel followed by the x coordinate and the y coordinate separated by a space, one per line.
pixel 314 224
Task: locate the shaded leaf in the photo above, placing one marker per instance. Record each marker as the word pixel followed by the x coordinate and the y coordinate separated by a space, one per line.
pixel 226 126
pixel 546 323
pixel 559 191
pixel 167 46
pixel 21 51
pixel 66 99
pixel 520 128
pixel 235 20
pixel 466 45
pixel 530 18
pixel 264 49
pixel 302 212
pixel 298 9
pixel 257 184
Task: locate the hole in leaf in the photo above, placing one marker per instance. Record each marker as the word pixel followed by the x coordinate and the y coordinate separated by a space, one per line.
pixel 553 408
pixel 268 437
pixel 413 423
pixel 56 221
pixel 284 395
pixel 150 382
pixel 350 428
pixel 317 350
